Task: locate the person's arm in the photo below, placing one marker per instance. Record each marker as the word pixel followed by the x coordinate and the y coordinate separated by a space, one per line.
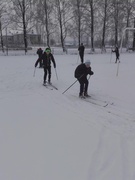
pixel 53 60
pixel 89 71
pixel 37 62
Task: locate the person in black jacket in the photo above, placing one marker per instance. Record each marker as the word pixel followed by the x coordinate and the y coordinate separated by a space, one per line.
pixel 40 52
pixel 47 58
pixel 81 52
pixel 117 53
pixel 81 73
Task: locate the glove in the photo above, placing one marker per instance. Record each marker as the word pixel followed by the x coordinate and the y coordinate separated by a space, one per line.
pixel 91 73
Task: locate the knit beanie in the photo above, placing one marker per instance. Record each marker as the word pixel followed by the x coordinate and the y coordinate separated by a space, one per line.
pixel 47 50
pixel 87 62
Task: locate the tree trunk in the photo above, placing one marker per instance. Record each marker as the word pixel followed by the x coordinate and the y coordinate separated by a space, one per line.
pixel 116 22
pixel 1 37
pixel 92 25
pixel 104 26
pixel 134 37
pixel 24 27
pixel 79 22
pixel 46 23
pixel 61 28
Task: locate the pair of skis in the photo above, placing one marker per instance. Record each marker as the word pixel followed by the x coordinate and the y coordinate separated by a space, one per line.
pixel 88 99
pixel 50 86
pixel 93 101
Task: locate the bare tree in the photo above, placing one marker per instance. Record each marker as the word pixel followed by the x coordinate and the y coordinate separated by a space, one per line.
pixel 90 6
pixel 84 20
pixel 3 21
pixel 78 5
pixel 104 25
pixel 134 37
pixel 116 10
pixel 21 17
pixel 63 16
pixel 1 36
pixel 128 10
pixel 92 24
pixel 103 13
pixel 44 22
pixel 132 13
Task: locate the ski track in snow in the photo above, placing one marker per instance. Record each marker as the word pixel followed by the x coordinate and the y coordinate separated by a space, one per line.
pixel 113 120
pixel 113 116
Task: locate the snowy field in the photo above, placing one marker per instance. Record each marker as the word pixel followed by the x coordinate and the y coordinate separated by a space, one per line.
pixel 47 135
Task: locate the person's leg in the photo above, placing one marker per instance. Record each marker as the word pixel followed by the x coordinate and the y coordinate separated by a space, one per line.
pixel 40 64
pixel 49 74
pixel 86 83
pixel 81 56
pixel 81 87
pixel 117 58
pixel 45 74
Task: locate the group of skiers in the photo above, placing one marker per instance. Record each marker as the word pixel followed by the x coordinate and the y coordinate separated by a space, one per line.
pixel 82 70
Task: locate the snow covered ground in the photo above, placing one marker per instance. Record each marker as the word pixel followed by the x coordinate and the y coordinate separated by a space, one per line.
pixel 47 135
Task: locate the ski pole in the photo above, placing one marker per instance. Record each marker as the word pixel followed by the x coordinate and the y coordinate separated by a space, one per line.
pixel 118 68
pixel 56 73
pixel 77 59
pixel 111 56
pixel 34 72
pixel 72 84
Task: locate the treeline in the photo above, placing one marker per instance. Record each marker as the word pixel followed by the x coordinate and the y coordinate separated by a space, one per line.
pixel 95 22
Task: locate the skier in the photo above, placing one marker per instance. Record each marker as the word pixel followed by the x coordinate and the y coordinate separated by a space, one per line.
pixel 47 57
pixel 81 73
pixel 40 52
pixel 81 52
pixel 117 53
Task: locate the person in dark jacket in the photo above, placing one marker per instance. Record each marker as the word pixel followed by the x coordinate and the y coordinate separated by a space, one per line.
pixel 117 53
pixel 47 58
pixel 40 52
pixel 81 52
pixel 81 73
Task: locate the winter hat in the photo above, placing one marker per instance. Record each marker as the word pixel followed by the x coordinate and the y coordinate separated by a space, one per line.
pixel 47 50
pixel 87 62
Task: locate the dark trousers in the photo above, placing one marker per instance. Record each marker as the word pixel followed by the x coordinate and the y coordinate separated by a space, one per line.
pixel 81 57
pixel 47 70
pixel 117 58
pixel 83 85
pixel 40 62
